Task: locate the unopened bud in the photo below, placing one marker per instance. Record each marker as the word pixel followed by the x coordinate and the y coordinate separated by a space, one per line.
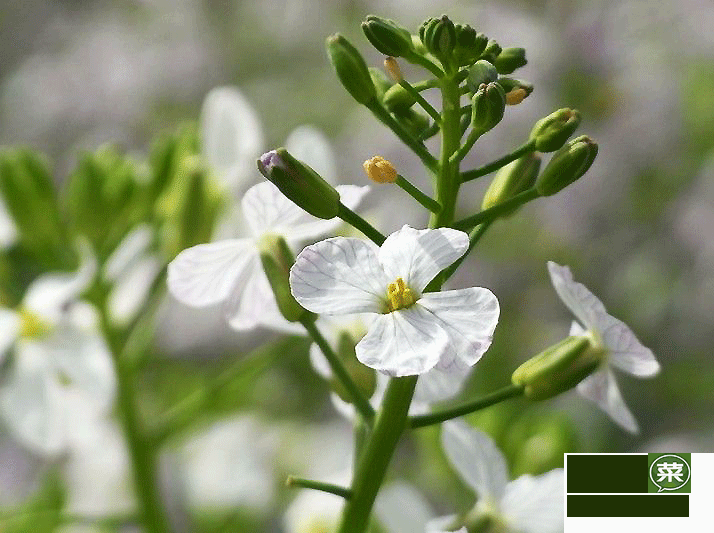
pixel 300 183
pixel 380 170
pixel 559 368
pixel 512 85
pixel 277 259
pixel 567 165
pixel 439 36
pixel 413 121
pixel 397 98
pixel 491 52
pixel 380 81
pixel 514 178
pixel 479 73
pixel 551 132
pixel 469 44
pixel 510 59
pixel 351 69
pixel 487 107
pixel 516 96
pixel 392 67
pixel 387 36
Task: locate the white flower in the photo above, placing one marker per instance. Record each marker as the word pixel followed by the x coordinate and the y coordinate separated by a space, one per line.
pixel 8 230
pixel 433 386
pixel 622 349
pixel 412 332
pixel 61 377
pixel 230 273
pixel 529 504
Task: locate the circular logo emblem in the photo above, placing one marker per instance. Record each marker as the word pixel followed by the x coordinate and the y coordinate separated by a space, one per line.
pixel 669 472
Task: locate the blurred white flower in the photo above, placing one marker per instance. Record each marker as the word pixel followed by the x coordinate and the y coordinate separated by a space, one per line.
pixel 314 511
pixel 8 230
pixel 529 504
pixel 622 349
pixel 412 332
pixel 229 272
pixel 61 379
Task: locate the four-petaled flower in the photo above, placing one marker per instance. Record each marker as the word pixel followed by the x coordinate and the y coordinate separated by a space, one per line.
pixel 413 331
pixel 529 504
pixel 621 348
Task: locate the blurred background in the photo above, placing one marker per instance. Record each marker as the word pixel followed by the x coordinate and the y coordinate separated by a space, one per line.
pixel 638 230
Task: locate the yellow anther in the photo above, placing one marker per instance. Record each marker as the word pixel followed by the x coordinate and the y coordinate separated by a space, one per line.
pixel 31 325
pixel 399 295
pixel 392 68
pixel 516 96
pixel 380 170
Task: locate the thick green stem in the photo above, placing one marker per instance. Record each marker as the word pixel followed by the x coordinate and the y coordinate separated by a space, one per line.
pixel 359 401
pixel 372 466
pixel 510 391
pixel 356 221
pixel 494 212
pixel 501 162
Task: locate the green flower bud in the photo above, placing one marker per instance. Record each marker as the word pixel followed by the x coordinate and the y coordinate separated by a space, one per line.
pixel 514 178
pixel 277 258
pixel 567 165
pixel 364 377
pixel 551 132
pixel 381 83
pixel 398 98
pixel 559 368
pixel 491 51
pixel 412 120
pixel 300 183
pixel 479 73
pixel 351 69
pixel 487 107
pixel 510 59
pixel 387 36
pixel 439 37
pixel 469 44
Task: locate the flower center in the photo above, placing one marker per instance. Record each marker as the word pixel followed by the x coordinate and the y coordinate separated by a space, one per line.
pixel 32 326
pixel 399 295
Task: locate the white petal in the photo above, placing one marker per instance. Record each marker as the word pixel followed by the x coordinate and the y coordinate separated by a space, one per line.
pixel 309 145
pixel 392 502
pixel 9 330
pixel 583 303
pixel 132 289
pixel 469 316
pixel 438 385
pixel 207 273
pixel 8 230
pixel 339 276
pixel 576 330
pixel 535 504
pixel 626 352
pixel 602 389
pixel 403 343
pixel 476 458
pixel 128 251
pixel 443 524
pixel 418 255
pixel 49 293
pixel 230 132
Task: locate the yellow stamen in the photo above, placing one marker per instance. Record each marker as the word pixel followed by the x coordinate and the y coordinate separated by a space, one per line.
pixel 380 170
pixel 392 68
pixel 516 96
pixel 31 325
pixel 399 295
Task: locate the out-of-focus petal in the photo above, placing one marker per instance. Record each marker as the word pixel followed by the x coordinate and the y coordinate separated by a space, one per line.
pixel 339 276
pixel 476 458
pixel 206 274
pixel 625 351
pixel 418 255
pixel 438 385
pixel 535 504
pixel 583 303
pixel 470 317
pixel 443 524
pixel 392 502
pixel 309 145
pixel 403 343
pixel 132 289
pixel 602 389
pixel 9 330
pixel 8 230
pixel 231 134
pixel 129 250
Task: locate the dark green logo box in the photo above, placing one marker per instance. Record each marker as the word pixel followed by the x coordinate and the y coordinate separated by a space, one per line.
pixel 669 473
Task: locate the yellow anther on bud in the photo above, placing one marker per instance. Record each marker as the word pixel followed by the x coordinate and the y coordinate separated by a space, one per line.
pixel 380 170
pixel 516 96
pixel 399 295
pixel 393 69
pixel 31 325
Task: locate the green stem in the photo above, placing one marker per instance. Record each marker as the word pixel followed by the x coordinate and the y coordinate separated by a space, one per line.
pixel 372 467
pixel 426 106
pixel 360 402
pixel 495 165
pixel 419 196
pixel 474 135
pixel 356 221
pixel 510 391
pixel 494 212
pixel 416 146
pixel 422 61
pixel 294 481
pixel 423 85
pixel 428 133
